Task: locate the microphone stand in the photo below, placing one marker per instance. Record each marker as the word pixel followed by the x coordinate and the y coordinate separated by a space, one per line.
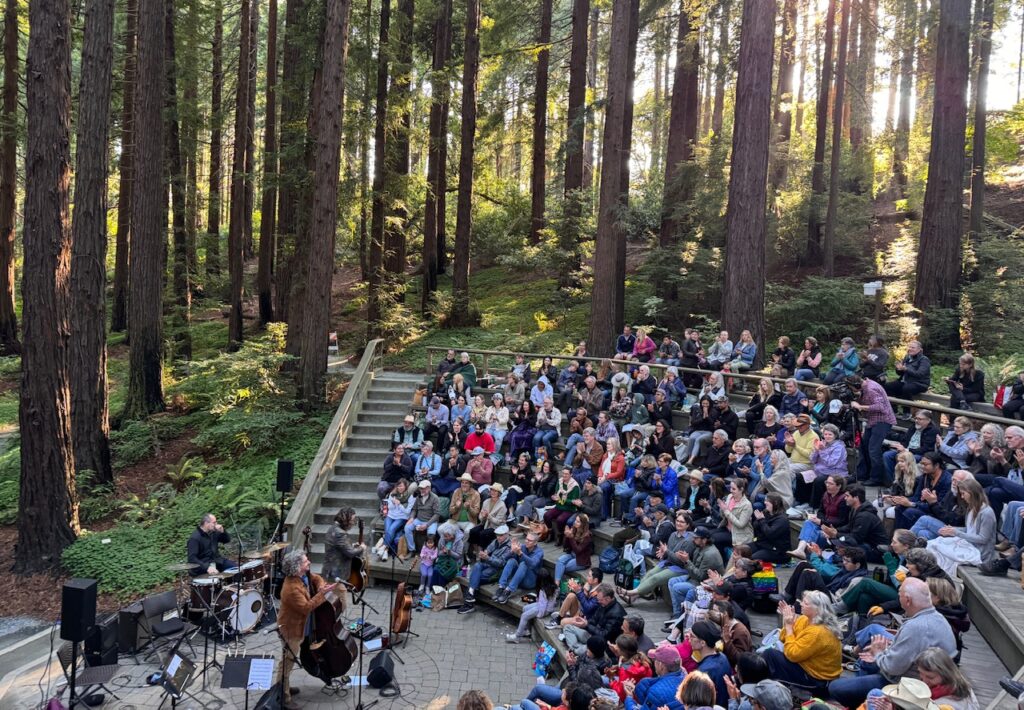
pixel 238 585
pixel 359 689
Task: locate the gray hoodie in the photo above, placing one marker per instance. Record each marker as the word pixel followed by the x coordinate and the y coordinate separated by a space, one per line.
pixel 924 629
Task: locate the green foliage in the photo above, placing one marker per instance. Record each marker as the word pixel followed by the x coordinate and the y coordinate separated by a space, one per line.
pixel 10 472
pixel 133 443
pixel 996 297
pixel 237 430
pixel 183 474
pixel 827 309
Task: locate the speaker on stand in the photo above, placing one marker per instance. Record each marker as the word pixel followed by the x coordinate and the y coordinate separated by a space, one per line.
pixel 77 617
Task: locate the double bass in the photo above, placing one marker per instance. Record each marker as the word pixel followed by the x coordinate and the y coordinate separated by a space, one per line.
pixel 329 650
pixel 357 578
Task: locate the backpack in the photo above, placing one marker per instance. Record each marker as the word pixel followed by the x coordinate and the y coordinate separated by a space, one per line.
pixel 608 562
pixel 625 574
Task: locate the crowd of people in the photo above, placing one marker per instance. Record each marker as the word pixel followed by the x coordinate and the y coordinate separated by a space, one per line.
pixel 578 447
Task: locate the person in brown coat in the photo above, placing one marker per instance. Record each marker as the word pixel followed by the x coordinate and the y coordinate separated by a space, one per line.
pixel 301 593
pixel 464 508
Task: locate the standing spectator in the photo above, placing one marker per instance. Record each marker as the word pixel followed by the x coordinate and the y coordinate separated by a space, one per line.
pixel 624 344
pixel 874 360
pixel 720 352
pixel 844 362
pixel 879 420
pixel 690 357
pixel 808 362
pixel 914 373
pixel 967 385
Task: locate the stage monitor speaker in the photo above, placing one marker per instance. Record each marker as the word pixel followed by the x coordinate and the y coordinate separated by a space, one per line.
pixel 77 609
pixel 132 632
pixel 382 670
pixel 101 643
pixel 270 700
pixel 285 475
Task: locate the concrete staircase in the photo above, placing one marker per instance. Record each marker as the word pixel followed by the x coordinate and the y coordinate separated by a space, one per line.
pixel 358 469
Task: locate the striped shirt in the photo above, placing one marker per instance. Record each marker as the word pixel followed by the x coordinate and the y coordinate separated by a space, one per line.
pixel 877 409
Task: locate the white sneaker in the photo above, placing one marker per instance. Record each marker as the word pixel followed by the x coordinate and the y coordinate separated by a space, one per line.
pixel 384 555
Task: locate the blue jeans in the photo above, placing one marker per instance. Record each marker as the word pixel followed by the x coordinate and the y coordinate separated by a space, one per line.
pixel 755 480
pixel 1012 522
pixel 607 490
pixel 498 434
pixel 481 573
pixel 906 517
pixel 545 439
pixel 809 532
pixel 871 467
pixel 516 576
pixel 679 588
pixel 550 694
pixel 803 374
pixel 566 563
pixel 1002 492
pixel 852 691
pixel 786 671
pixel 570 448
pixel 864 635
pixel 927 527
pixel 410 530
pixel 392 529
pixel 635 501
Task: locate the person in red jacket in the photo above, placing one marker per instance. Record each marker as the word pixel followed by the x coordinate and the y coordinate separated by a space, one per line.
pixel 632 668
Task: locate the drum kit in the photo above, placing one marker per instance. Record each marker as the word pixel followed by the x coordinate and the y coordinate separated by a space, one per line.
pixel 238 598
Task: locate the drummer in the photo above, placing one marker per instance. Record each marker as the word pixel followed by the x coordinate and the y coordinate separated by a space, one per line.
pixel 203 549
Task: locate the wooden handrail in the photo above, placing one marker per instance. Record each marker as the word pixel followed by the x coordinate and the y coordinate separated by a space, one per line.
pixel 747 376
pixel 315 483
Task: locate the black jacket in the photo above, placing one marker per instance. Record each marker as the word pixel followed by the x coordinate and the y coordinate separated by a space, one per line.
pixel 393 471
pixel 606 621
pixel 755 409
pixel 661 411
pixel 865 527
pixel 716 461
pixel 917 370
pixel 787 358
pixel 974 389
pixel 928 437
pixel 665 445
pixel 726 420
pixel 202 548
pixel 772 534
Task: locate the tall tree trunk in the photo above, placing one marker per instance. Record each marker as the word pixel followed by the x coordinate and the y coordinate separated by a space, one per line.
pixel 9 344
pixel 805 10
pixel 901 145
pixel 708 36
pixel 149 221
pixel 119 295
pixel 745 225
pixel 656 108
pixel 619 314
pixel 862 98
pixel 540 126
pixel 396 153
pixel 248 248
pixel 983 42
pixel 828 245
pixel 316 311
pixel 188 74
pixel 47 503
pixel 436 170
pixel 176 169
pixel 591 124
pixel 236 224
pixel 939 256
pixel 89 407
pixel 264 274
pixel 926 31
pixel 682 127
pixel 373 309
pixel 814 255
pixel 442 161
pixel 721 68
pixel 216 148
pixel 576 121
pixel 364 155
pixel 784 97
pixel 609 232
pixel 460 314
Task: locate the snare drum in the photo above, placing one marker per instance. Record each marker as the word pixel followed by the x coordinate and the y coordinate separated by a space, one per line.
pixel 204 593
pixel 241 608
pixel 252 572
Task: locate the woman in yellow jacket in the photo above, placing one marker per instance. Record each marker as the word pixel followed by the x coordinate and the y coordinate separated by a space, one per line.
pixel 812 652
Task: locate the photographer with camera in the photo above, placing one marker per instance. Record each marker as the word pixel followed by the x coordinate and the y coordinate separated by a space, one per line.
pixel 879 419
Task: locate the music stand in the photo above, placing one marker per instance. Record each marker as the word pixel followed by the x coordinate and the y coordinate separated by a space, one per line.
pixel 176 674
pixel 238 672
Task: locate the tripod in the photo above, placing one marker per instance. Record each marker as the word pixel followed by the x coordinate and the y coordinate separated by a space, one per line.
pixel 208 615
pixel 359 689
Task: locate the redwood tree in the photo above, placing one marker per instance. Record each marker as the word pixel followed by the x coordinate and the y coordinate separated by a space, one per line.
pixel 119 295
pixel 460 313
pixel 828 243
pixel 47 503
pixel 377 211
pixel 396 152
pixel 907 31
pixel 574 142
pixel 316 310
pixel 9 344
pixel 216 147
pixel 784 97
pixel 540 125
pixel 604 294
pixel 939 254
pixel 236 224
pixel 149 216
pixel 745 225
pixel 269 201
pixel 89 408
pixel 176 170
pixel 813 254
pixel 983 41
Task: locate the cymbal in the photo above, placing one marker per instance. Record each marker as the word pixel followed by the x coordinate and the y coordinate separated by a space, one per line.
pixel 254 554
pixel 275 546
pixel 180 567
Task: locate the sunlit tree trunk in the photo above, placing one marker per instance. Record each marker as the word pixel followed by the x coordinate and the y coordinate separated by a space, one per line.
pixel 813 254
pixel 540 126
pixel 264 273
pixel 119 295
pixel 829 242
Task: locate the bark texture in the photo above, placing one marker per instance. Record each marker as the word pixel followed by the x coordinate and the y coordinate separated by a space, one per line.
pixel 268 204
pixel 540 126
pixel 236 224
pixel 216 147
pixel 813 254
pixel 176 169
pixel 832 212
pixel 9 344
pixel 983 42
pixel 434 217
pixel 783 117
pixel 119 295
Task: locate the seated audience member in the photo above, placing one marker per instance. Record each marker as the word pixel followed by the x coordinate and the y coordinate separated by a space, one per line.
pixel 724 418
pixel 578 543
pixel 399 504
pixel 793 401
pixel 624 344
pixel 567 490
pixel 765 695
pixel 1009 488
pixel 697 565
pixel 524 426
pixel 549 420
pixel 605 430
pixel 716 459
pixel 585 673
pixel 916 440
pixel 736 639
pixel 610 472
pixel 521 369
pixel 668 352
pixel 590 396
pixel 458 399
pixel 737 518
pixel 514 392
pixel 669 560
pixel 645 384
pixel 720 352
pixel 967 385
pixel 903 483
pixel 547 593
pixel 799 442
pixel 444 367
pixel 659 690
pixel 605 620
pixel 478 412
pixel 577 425
pixel 783 359
pixel 451 545
pixel 541 389
pixel 874 360
pixel 673 387
pixel 819 408
pixel 656 524
pixel 490 563
pixel 408 435
pixel 579 601
pixel 744 354
pixel 589 502
pixel 934 480
pixel 453 465
pixel 741 462
pixel 456 436
pixel 946 683
pixel 660 410
pixel 713 388
pixel 980 460
pixel 521 568
pixel 426 464
pixel 633 626
pixel 696 691
pixel 777 479
pixel 474 700
pixel 644 347
pixel 808 362
pixel 940 512
pixel 621 407
pixel 478 437
pixel 633 666
pixel 879 419
pixel 918 563
pixel 760 467
pixel 697 492
pixel 844 363
pixel 832 512
pixel 763 397
pixel 479 467
pixel 464 507
pixel 397 465
pixel 769 426
pixel 702 417
pixel 1015 403
pixel 864 527
pixel 886 660
pixel 496 420
pixel 771 531
pixel 831 576
pixel 955 446
pixel 549 372
pixel 812 652
pixel 979 529
pixel 704 637
pixel 913 374
pixel 827 459
pixel 493 514
pixel 661 441
pixel 466 368
pixel 424 516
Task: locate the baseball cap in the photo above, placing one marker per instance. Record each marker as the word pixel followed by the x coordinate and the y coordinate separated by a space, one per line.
pixel 477 451
pixel 501 530
pixel 666 653
pixel 770 693
pixel 702 531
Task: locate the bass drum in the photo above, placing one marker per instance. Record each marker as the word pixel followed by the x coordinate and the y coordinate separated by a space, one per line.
pixel 241 608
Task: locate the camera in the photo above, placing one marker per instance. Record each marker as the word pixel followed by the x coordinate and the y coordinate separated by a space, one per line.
pixel 842 392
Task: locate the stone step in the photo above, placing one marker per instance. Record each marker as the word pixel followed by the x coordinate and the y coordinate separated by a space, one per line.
pixel 369 416
pixel 381 405
pixel 403 395
pixel 375 430
pixel 355 498
pixel 396 376
pixel 366 510
pixel 353 482
pixel 365 453
pixel 359 468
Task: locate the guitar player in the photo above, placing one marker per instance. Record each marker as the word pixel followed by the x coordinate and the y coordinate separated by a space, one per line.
pixel 339 551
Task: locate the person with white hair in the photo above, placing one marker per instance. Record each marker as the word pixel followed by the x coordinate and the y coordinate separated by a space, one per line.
pixel 301 593
pixel 887 660
pixel 1009 488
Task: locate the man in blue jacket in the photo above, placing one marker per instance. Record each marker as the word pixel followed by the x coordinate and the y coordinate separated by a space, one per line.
pixel 652 693
pixel 521 569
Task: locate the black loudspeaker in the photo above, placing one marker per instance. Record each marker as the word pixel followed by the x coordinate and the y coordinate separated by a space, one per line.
pixel 77 609
pixel 270 700
pixel 382 670
pixel 131 629
pixel 101 643
pixel 285 475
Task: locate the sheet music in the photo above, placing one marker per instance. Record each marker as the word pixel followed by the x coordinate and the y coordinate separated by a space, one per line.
pixel 373 645
pixel 261 674
pixel 172 667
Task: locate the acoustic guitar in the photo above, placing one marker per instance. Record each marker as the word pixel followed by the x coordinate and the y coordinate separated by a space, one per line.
pixel 401 613
pixel 357 577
